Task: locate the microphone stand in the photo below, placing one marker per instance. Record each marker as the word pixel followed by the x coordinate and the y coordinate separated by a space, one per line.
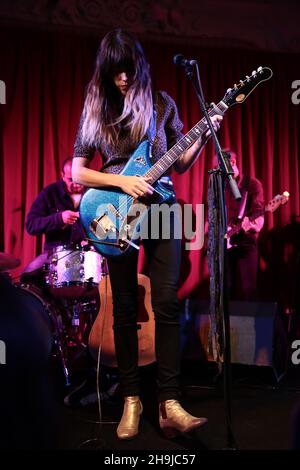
pixel 222 174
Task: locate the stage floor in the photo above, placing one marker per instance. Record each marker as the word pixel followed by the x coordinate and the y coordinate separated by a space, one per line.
pixel 262 411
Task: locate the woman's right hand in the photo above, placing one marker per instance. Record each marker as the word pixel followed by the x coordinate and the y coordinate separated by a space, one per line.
pixel 135 186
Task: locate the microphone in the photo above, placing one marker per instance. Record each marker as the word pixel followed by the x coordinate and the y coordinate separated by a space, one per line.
pixel 179 59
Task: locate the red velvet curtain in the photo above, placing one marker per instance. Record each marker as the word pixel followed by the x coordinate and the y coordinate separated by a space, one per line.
pixel 45 76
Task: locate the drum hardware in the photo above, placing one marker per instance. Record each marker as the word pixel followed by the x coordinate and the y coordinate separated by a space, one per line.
pixel 71 322
pixel 61 354
pixel 66 284
pixel 51 310
pixel 54 260
pixel 75 317
pixel 89 307
pixel 45 269
pixel 81 319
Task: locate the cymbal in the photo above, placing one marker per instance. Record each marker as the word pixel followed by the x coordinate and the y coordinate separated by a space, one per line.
pixel 8 261
pixel 37 263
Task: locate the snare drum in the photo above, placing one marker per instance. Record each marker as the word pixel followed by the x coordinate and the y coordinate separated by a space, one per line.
pixel 74 271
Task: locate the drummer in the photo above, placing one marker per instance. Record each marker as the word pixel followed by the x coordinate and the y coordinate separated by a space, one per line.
pixel 55 213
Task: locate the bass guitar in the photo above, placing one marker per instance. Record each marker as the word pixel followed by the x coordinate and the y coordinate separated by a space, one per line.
pixel 277 201
pixel 112 219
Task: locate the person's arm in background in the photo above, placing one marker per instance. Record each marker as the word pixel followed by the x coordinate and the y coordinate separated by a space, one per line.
pixel 256 193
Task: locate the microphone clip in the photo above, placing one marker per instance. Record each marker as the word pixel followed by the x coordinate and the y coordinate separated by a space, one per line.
pixel 180 60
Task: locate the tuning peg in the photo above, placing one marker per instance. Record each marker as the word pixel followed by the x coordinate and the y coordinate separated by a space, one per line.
pixel 241 82
pixel 259 69
pixel 235 86
pixel 247 78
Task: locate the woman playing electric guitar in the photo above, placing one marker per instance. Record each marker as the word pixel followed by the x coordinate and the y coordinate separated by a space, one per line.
pixel 118 115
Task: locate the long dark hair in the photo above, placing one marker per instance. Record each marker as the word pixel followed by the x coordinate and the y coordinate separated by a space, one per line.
pixel 105 111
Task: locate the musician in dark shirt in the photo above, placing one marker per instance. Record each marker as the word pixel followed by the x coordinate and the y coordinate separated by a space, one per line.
pixel 243 250
pixel 55 211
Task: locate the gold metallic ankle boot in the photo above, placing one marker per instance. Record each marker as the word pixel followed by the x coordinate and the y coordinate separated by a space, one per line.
pixel 173 419
pixel 129 424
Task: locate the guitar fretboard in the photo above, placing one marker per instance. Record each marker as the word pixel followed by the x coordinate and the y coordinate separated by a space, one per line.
pixel 169 158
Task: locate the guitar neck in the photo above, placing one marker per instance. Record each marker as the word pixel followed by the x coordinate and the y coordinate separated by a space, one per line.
pixel 165 162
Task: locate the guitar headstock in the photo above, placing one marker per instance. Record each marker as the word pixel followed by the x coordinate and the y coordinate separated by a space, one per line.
pixel 242 90
pixel 277 201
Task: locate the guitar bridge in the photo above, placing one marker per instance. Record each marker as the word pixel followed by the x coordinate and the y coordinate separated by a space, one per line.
pixel 102 226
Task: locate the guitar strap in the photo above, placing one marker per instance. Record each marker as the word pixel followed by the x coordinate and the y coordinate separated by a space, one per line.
pixel 243 205
pixel 244 199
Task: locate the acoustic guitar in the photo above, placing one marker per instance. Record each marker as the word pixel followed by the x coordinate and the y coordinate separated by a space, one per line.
pixel 101 334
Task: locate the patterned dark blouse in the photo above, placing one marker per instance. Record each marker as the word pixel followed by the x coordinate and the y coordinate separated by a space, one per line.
pixel 168 132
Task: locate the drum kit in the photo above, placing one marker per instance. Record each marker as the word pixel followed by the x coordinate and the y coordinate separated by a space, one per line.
pixel 65 282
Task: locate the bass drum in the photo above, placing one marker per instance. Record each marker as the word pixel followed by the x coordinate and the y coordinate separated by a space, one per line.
pixel 47 319
pixel 75 272
pixel 28 404
pixel 41 313
pixel 26 325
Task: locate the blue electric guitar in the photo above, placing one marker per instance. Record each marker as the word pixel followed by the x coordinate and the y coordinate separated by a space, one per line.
pixel 111 218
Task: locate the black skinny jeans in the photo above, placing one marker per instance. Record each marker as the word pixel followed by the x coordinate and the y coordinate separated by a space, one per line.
pixel 163 257
pixel 243 269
